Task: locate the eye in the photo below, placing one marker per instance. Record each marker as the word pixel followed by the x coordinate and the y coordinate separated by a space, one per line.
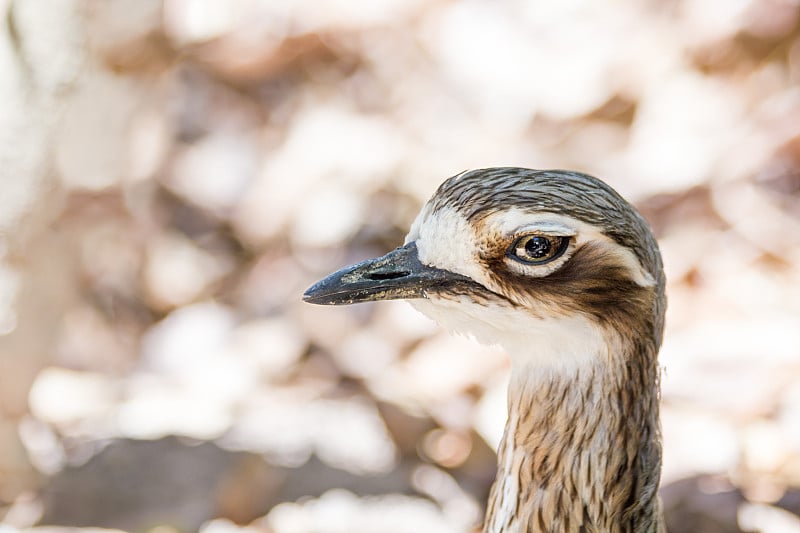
pixel 538 249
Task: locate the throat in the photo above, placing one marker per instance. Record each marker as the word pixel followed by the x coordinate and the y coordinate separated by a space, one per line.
pixel 581 450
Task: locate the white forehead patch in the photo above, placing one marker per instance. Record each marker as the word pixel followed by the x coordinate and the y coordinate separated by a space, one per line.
pixel 446 240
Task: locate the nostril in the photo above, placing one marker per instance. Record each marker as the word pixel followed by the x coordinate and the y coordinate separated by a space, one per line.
pixel 381 276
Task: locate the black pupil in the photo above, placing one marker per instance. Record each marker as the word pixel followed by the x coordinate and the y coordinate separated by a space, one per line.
pixel 537 247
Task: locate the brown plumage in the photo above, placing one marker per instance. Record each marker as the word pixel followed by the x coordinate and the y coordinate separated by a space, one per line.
pixel 560 270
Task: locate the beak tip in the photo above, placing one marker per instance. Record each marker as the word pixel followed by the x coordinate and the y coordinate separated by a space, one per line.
pixel 396 275
pixel 311 295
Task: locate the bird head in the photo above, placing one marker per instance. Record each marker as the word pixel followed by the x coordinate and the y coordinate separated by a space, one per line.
pixel 554 265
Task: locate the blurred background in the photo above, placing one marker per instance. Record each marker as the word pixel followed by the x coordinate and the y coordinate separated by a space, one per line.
pixel 173 174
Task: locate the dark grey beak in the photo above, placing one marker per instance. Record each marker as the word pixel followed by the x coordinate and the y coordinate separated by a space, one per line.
pixel 394 276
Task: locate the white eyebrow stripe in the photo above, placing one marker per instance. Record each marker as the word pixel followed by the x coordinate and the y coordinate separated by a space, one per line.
pixel 638 273
pixel 512 220
pixel 553 228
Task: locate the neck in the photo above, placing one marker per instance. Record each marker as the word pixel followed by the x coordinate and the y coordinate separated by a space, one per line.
pixel 581 450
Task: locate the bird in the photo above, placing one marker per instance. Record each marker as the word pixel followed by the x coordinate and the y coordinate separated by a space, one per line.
pixel 563 273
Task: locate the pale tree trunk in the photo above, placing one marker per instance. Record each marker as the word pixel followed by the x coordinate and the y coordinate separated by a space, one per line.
pixel 40 54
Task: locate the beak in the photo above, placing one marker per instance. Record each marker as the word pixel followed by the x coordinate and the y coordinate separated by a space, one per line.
pixel 394 276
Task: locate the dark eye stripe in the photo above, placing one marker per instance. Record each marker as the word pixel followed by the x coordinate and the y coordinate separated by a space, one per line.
pixel 535 249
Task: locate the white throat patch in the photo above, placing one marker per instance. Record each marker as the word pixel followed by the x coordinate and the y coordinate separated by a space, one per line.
pixel 560 344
